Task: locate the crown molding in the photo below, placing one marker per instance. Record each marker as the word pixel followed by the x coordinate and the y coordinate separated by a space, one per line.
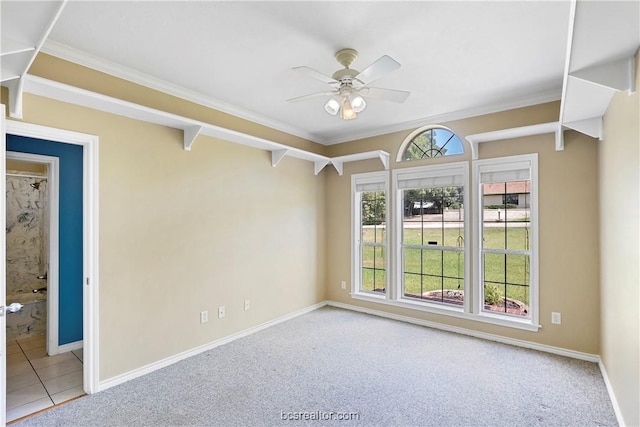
pixel 538 98
pixel 76 56
pixel 70 54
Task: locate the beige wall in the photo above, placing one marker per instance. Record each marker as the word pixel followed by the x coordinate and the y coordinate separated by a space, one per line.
pixel 76 75
pixel 17 165
pixel 568 226
pixel 619 167
pixel 182 232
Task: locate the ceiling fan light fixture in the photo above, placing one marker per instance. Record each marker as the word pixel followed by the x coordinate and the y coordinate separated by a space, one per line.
pixel 347 112
pixel 333 105
pixel 357 103
pixel 350 85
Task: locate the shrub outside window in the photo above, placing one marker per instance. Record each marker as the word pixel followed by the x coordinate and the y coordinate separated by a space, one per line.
pixel 507 229
pixel 430 266
pixel 433 233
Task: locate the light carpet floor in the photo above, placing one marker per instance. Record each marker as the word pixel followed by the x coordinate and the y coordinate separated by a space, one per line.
pixel 333 363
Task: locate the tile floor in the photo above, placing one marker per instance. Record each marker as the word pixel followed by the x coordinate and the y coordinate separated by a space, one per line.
pixel 36 381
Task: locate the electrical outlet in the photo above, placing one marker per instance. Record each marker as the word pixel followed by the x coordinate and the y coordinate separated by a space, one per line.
pixel 343 284
pixel 204 316
pixel 221 312
pixel 247 305
pixel 556 318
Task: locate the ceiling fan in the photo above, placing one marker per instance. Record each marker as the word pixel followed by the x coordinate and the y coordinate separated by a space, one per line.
pixel 351 86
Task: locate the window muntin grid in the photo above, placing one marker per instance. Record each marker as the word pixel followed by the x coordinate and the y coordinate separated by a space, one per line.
pixel 432 142
pixel 373 242
pixel 433 232
pixel 506 248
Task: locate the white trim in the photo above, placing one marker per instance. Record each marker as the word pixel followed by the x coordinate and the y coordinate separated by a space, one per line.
pixel 3 272
pixel 505 163
pixel 66 93
pixel 409 138
pixel 464 331
pixel 43 38
pixel 191 128
pixel 16 87
pixel 450 311
pixel 356 223
pixel 587 91
pixel 91 275
pixel 147 369
pixel 567 59
pixel 511 133
pixel 69 54
pixel 612 395
pixel 65 348
pixel 535 99
pixel 398 175
pixel 96 63
pixel 337 162
pixel 53 182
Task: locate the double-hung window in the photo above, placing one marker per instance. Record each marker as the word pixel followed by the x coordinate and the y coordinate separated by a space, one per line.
pixel 431 235
pixel 370 242
pixel 507 261
pixel 412 242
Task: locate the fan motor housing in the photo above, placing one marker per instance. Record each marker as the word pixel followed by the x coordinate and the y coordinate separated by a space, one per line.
pixel 346 75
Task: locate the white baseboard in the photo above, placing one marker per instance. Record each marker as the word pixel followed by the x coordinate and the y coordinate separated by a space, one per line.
pixel 491 337
pixel 612 395
pixel 127 376
pixel 65 348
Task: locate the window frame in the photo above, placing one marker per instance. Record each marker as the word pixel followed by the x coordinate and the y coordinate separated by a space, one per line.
pixel 409 139
pixel 473 307
pixel 418 172
pixel 505 165
pixel 356 224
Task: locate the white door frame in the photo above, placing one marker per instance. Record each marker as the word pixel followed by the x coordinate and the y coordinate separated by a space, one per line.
pixel 53 188
pixel 3 274
pixel 90 241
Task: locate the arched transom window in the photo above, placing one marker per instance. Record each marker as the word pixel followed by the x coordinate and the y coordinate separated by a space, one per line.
pixel 430 141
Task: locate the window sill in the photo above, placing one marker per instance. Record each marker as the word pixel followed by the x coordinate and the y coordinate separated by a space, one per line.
pixel 494 319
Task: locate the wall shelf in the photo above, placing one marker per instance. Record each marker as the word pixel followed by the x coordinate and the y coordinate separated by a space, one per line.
pixel 22 38
pixel 191 128
pixel 592 76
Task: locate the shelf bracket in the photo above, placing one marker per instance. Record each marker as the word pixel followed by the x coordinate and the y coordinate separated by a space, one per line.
pixel 190 135
pixel 384 158
pixel 559 138
pixel 338 165
pixel 277 155
pixel 318 165
pixel 16 89
pixel 618 75
pixel 591 127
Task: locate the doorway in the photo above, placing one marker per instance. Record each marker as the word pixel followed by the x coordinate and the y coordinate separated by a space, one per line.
pixel 32 246
pixel 39 375
pixel 76 348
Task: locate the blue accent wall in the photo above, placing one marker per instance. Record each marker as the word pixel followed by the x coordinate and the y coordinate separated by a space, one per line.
pixel 70 229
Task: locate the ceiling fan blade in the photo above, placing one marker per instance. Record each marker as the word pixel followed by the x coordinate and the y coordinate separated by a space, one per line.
pixel 312 95
pixel 382 66
pixel 316 75
pixel 386 94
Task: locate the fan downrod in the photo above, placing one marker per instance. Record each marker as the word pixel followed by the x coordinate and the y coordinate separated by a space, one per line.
pixel 346 57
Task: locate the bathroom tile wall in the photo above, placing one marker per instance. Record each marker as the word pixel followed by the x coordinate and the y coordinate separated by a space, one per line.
pixel 26 252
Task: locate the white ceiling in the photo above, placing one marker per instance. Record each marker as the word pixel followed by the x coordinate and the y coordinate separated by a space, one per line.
pixel 458 58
